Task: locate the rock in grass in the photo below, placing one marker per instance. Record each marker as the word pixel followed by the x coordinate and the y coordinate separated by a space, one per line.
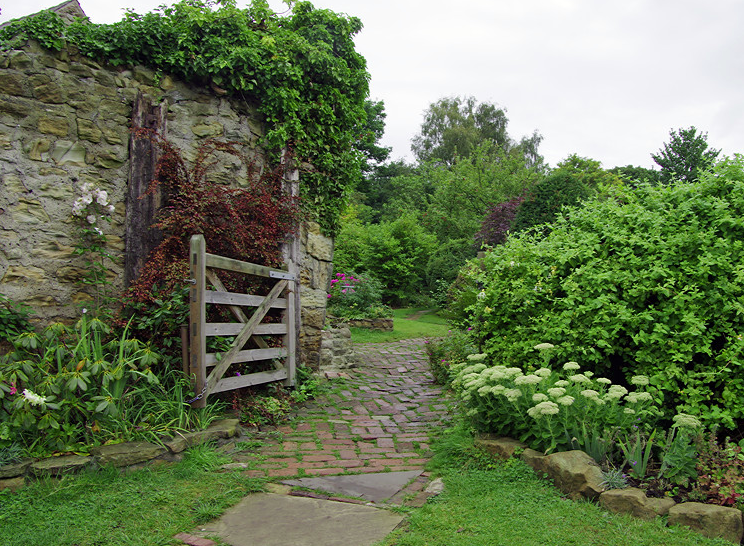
pixel 709 520
pixel 634 501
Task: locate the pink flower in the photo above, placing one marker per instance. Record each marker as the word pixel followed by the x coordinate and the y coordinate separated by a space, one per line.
pixel 334 281
pixel 12 389
pixel 330 296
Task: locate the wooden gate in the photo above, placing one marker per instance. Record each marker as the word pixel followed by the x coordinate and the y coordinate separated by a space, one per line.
pixel 283 295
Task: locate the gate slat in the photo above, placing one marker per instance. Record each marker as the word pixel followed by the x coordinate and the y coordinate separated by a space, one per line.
pixel 246 300
pixel 251 355
pixel 230 383
pixel 228 264
pixel 234 328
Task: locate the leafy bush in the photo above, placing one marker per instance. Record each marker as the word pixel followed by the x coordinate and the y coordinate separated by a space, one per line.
pixel 499 221
pixel 355 297
pixel 444 265
pixel 547 408
pixel 652 285
pixel 66 388
pixel 395 253
pixel 444 352
pixel 13 318
pixel 720 469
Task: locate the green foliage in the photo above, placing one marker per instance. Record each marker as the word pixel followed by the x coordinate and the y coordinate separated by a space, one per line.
pixel 637 450
pixel 64 389
pixel 632 175
pixel 720 472
pixel 13 318
pixel 445 264
pixel 543 407
pixel 679 454
pixel 301 71
pixel 614 478
pixel 651 285
pixel 574 180
pixel 455 126
pixel 394 253
pixel 446 351
pixel 353 296
pixel 685 157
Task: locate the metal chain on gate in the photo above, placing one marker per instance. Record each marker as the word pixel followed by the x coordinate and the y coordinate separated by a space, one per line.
pixel 198 396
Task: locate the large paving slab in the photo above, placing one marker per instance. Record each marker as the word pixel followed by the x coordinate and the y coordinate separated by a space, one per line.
pixel 374 487
pixel 267 519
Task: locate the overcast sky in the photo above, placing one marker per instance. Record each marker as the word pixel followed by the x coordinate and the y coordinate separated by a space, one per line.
pixel 603 79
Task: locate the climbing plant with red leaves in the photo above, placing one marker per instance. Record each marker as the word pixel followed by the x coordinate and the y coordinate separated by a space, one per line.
pixel 247 223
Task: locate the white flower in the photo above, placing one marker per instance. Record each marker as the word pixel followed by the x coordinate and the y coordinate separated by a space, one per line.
pixel 513 372
pixel 571 366
pixel 579 378
pixel 484 390
pixel 531 379
pixel 110 209
pixel 635 397
pixel 639 380
pixel 589 393
pixel 566 400
pixel 543 408
pixel 86 199
pixel 603 381
pixel 33 398
pixel 102 197
pixel 686 421
pixel 97 230
pixel 562 383
pixel 588 374
pixel 544 346
pixel 498 389
pixel 477 357
pixel 616 392
pixel 543 372
pixel 629 411
pixel 91 219
pixel 481 295
pixel 512 394
pixel 539 397
pixel 556 392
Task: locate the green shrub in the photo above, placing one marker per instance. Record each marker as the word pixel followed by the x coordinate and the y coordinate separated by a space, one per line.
pixel 352 296
pixel 547 409
pixel 66 388
pixel 653 285
pixel 444 352
pixel 13 318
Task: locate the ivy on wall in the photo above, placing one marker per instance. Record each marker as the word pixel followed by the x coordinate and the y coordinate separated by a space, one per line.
pixel 302 71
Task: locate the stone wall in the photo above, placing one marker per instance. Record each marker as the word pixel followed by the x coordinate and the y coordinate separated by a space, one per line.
pixel 64 121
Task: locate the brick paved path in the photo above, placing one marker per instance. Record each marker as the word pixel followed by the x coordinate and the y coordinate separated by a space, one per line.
pixel 377 418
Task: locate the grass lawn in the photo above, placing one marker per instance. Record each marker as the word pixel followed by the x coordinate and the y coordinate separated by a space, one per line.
pixel 143 507
pixel 408 323
pixel 507 504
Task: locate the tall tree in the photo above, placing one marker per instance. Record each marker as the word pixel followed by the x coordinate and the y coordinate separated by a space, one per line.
pixel 369 134
pixel 454 126
pixel 685 156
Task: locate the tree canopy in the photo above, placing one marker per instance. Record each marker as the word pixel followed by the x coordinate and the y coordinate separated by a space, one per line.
pixel 685 156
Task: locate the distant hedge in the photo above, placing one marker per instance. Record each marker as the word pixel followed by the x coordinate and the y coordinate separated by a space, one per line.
pixel 650 282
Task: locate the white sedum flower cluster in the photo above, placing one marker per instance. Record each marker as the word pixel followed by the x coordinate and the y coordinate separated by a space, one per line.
pixel 92 202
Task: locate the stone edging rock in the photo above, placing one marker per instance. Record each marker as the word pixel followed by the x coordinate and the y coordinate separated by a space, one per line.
pixel 128 454
pixel 578 476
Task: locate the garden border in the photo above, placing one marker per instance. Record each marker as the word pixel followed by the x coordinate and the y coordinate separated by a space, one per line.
pixel 578 476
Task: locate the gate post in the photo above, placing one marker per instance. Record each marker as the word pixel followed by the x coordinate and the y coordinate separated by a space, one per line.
pixel 198 312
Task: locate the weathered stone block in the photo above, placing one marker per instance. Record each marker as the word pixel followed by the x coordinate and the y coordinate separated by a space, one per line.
pixel 53 250
pixel 20 60
pixel 13 185
pixel 29 211
pixel 203 130
pixel 50 93
pixel 225 428
pixel 39 149
pixel 320 247
pixel 54 126
pixel 16 107
pixel 12 83
pixel 14 484
pixel 126 454
pixel 634 501
pixel 15 469
pixel 60 465
pixel 709 520
pixel 69 153
pixel 501 447
pixel 575 473
pixel 310 298
pixel 88 130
